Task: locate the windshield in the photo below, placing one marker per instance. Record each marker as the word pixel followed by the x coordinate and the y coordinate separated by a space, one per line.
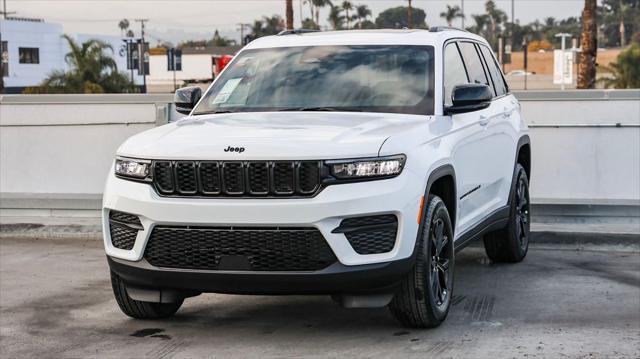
pixel 396 79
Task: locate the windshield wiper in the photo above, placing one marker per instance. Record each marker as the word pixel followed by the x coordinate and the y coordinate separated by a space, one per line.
pixel 320 109
pixel 212 112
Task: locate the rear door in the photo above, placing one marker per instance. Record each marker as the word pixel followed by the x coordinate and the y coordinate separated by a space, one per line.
pixel 502 127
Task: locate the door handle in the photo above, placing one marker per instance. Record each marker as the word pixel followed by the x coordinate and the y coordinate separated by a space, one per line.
pixel 484 120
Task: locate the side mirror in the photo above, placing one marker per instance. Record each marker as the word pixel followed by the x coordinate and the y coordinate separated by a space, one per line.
pixel 469 97
pixel 186 98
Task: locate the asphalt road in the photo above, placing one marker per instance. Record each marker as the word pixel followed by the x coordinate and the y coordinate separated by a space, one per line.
pixel 562 301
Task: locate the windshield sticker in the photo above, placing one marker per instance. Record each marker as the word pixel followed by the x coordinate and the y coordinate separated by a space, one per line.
pixel 227 90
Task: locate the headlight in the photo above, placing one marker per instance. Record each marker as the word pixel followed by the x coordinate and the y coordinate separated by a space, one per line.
pixel 131 168
pixel 367 167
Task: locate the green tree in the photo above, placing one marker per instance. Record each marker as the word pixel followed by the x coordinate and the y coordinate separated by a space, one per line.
pixel 266 26
pixel 619 20
pixel 336 19
pixel 396 18
pixel 452 13
pixel 625 72
pixel 220 40
pixel 347 6
pixel 92 70
pixel 362 14
pixel 123 25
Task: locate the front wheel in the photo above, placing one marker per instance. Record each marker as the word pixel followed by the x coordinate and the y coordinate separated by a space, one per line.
pixel 424 296
pixel 512 243
pixel 138 309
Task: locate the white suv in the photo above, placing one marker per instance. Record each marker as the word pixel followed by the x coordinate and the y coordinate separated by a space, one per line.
pixel 351 163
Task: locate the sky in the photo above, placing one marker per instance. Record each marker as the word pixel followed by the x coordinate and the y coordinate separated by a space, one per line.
pixel 178 20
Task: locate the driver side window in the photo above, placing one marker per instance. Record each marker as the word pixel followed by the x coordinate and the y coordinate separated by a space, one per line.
pixel 454 71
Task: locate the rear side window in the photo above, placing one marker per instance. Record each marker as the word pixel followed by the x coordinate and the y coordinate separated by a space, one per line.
pixel 454 71
pixel 494 70
pixel 474 64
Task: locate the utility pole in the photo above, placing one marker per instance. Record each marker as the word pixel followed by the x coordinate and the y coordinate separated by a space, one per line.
pixel 409 16
pixel 143 55
pixel 242 26
pixel 463 15
pixel 513 22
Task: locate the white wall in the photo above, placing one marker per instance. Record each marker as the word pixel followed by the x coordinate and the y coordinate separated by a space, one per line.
pixel 44 36
pixel 63 145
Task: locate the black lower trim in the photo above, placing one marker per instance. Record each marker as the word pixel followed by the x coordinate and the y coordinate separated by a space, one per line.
pixel 495 220
pixel 334 279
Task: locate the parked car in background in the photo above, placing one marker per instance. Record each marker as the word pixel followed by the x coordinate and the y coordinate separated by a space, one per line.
pixel 353 164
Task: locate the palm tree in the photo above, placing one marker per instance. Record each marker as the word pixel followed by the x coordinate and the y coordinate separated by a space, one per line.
pixel 92 70
pixel 346 6
pixel 318 4
pixel 123 25
pixel 589 45
pixel 336 18
pixel 409 15
pixel 362 13
pixel 451 13
pixel 289 14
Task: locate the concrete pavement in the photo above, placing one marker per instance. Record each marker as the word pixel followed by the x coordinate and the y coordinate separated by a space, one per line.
pixel 562 301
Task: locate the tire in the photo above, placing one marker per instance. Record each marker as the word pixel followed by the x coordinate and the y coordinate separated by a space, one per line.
pixel 510 244
pixel 137 309
pixel 424 296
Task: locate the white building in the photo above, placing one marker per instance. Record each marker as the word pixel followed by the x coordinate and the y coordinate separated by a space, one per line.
pixel 199 65
pixel 35 48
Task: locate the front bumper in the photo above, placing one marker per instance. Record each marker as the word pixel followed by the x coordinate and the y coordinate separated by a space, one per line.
pixel 335 279
pixel 399 196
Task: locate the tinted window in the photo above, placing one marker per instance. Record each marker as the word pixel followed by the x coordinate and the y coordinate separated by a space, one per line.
pixel 29 55
pixel 474 64
pixel 494 70
pixel 397 79
pixel 454 72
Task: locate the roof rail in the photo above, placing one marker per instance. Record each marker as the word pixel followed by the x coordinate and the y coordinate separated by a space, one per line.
pixel 296 31
pixel 445 28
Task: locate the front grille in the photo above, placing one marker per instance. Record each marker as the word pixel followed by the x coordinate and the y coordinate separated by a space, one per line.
pixel 237 178
pixel 370 234
pixel 123 229
pixel 239 248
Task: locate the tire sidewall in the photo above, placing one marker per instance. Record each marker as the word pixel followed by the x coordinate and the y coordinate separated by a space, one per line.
pixel 435 209
pixel 521 174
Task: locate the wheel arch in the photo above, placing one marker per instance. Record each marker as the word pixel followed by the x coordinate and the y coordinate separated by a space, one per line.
pixel 442 183
pixel 523 154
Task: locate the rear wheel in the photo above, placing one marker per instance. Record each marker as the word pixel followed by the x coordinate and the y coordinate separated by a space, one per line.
pixel 424 296
pixel 137 309
pixel 512 243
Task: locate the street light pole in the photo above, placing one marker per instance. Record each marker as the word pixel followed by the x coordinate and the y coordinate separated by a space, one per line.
pixel 563 36
pixel 143 55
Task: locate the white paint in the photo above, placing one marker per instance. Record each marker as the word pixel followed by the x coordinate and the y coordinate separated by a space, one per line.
pixel 194 67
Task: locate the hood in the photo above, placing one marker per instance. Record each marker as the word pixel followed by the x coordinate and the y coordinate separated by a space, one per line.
pixel 271 136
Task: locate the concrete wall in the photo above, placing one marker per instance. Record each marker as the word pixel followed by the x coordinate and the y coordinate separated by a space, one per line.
pixel 56 150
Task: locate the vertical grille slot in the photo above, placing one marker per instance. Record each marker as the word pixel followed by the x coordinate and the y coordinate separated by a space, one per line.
pixel 233 178
pixel 163 176
pixel 283 177
pixel 258 178
pixel 186 177
pixel 308 177
pixel 210 178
